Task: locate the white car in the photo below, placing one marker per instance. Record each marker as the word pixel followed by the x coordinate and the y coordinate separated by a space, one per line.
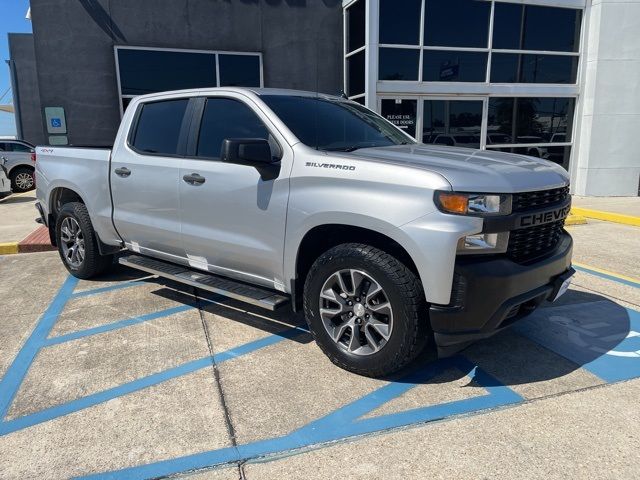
pixel 5 184
pixel 20 161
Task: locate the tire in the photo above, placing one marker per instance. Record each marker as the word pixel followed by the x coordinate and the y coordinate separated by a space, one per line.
pixel 22 179
pixel 407 331
pixel 90 263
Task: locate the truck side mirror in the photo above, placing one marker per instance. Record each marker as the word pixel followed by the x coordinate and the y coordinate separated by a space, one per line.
pixel 247 151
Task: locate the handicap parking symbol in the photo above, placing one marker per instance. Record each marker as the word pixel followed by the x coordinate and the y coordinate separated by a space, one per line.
pixel 56 122
pixel 602 337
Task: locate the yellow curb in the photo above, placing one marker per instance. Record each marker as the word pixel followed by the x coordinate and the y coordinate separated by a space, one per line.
pixel 607 216
pixel 573 219
pixel 8 248
pixel 606 272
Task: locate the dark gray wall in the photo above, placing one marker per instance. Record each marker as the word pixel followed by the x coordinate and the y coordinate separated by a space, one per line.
pixel 301 42
pixel 25 88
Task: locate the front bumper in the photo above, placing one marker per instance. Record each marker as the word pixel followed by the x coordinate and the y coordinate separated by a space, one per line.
pixel 491 293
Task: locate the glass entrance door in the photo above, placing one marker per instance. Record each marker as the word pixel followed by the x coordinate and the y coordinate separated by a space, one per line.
pixel 452 122
pixel 402 112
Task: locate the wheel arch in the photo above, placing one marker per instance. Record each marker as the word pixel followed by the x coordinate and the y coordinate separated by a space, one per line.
pixel 320 238
pixel 59 197
pixel 26 166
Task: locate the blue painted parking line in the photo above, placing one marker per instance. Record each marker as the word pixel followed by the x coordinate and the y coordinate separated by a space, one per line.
pixel 616 277
pixel 38 340
pixel 110 288
pixel 343 423
pixel 15 374
pixel 602 337
pixel 142 383
pixel 116 325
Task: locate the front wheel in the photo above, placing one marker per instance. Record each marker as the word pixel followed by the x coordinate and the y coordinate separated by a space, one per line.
pixel 366 310
pixel 78 243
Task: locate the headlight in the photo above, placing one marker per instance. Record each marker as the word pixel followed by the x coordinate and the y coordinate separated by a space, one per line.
pixel 484 243
pixel 474 204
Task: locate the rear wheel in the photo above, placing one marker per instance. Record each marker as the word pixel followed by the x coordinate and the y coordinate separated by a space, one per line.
pixel 78 243
pixel 22 179
pixel 366 310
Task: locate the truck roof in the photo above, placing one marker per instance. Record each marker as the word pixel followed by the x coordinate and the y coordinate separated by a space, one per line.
pixel 254 90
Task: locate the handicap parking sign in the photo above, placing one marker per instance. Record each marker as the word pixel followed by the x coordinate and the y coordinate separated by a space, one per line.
pixel 55 120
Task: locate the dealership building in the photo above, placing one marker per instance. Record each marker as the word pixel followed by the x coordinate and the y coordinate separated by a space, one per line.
pixel 558 79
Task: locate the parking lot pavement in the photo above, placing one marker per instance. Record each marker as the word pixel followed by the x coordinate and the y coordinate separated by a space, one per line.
pixel 130 376
pixel 18 216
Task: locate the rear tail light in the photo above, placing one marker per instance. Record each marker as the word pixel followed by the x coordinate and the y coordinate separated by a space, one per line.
pixel 33 157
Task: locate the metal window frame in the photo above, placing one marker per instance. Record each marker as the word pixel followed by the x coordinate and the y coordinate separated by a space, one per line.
pixel 215 54
pixel 420 109
pixel 421 90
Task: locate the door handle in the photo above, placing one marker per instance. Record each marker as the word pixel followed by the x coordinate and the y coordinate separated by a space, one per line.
pixel 123 172
pixel 194 179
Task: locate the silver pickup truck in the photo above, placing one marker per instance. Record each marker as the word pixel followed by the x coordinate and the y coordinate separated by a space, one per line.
pixel 281 198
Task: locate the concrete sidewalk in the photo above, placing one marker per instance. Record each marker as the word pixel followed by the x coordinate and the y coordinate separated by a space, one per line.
pixel 19 232
pixel 621 205
pixel 18 215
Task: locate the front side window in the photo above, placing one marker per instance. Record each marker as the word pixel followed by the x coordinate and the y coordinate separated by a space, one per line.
pixel 227 118
pixel 333 124
pixel 158 128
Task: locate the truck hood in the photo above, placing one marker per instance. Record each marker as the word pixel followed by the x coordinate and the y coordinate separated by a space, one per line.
pixel 472 170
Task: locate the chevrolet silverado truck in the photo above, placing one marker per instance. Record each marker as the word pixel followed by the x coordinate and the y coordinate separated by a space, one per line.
pixel 280 197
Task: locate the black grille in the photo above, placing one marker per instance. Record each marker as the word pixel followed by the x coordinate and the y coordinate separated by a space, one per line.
pixel 528 243
pixel 534 200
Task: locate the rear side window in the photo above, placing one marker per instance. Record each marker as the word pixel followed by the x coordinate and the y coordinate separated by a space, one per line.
pixel 226 118
pixel 159 125
pixel 18 147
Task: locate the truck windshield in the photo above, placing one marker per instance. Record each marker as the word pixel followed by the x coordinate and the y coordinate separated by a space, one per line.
pixel 334 125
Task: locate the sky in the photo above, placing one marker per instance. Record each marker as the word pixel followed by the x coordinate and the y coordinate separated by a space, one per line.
pixel 12 13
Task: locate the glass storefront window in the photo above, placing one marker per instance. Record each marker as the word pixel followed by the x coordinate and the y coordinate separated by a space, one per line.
pixel 400 22
pixel 559 154
pixel 456 23
pixel 149 71
pixel 398 63
pixel 452 122
pixel 401 112
pixel 239 70
pixel 530 120
pixel 355 74
pixel 453 66
pixel 356 15
pixel 530 27
pixel 530 68
pixel 142 70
